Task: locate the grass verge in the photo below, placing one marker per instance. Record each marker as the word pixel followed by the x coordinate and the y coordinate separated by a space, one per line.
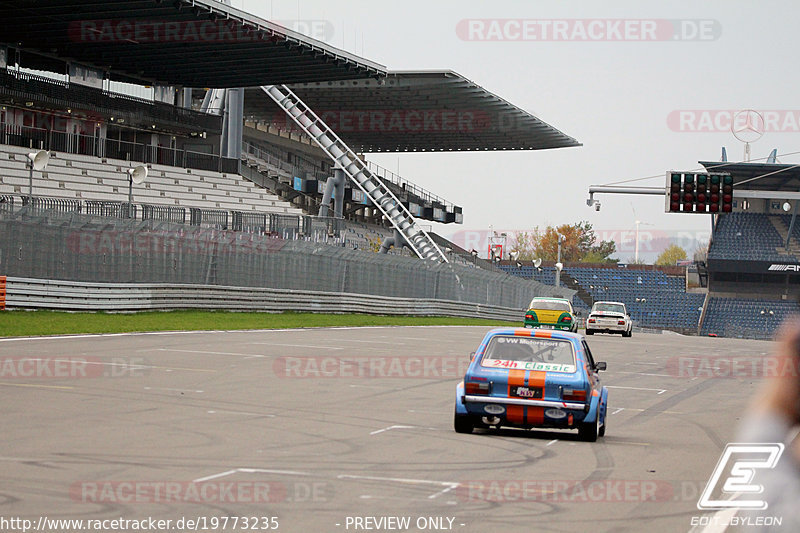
pixel 31 323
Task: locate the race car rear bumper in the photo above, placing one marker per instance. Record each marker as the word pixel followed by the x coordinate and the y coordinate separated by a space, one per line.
pixel 523 401
pixel 616 328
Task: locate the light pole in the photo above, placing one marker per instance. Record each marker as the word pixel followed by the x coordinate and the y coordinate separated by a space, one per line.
pixel 766 313
pixel 559 265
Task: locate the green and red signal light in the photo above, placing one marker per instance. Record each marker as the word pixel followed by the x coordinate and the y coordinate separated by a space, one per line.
pixel 690 192
pixel 727 194
pixel 675 192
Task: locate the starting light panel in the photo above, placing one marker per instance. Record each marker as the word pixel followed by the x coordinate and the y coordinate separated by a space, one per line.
pixel 690 192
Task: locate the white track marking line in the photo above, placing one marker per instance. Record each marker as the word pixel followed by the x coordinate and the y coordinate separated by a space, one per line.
pixel 371 342
pixel 200 332
pixel 551 442
pixel 203 352
pixel 646 374
pixel 172 390
pixel 390 428
pixel 268 471
pixel 78 361
pixel 448 485
pixel 316 347
pixel 132 366
pixel 34 386
pixel 640 410
pixel 248 413
pixel 214 476
pixel 660 391
pixel 373 387
pixel 249 471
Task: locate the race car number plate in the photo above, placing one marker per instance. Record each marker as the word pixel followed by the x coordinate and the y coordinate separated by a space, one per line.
pixel 526 392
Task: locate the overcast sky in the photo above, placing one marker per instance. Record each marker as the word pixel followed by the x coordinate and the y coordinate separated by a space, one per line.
pixel 614 96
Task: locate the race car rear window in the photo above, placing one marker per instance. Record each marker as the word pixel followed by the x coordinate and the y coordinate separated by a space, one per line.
pixel 612 308
pixel 529 353
pixel 549 305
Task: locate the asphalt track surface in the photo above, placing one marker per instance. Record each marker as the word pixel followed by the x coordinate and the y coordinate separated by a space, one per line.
pixel 315 445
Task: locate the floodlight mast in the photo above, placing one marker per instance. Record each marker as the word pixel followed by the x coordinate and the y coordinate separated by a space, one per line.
pixel 559 264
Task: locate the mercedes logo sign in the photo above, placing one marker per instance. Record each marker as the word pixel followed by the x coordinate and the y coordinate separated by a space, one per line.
pixel 748 125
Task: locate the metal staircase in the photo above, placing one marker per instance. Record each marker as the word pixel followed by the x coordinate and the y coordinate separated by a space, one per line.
pixel 418 240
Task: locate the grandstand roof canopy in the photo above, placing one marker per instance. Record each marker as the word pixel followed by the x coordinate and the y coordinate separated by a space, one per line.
pixel 415 111
pixel 777 177
pixel 192 43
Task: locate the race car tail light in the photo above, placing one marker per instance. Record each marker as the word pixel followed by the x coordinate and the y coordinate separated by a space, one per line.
pixel 619 322
pixel 591 321
pixel 528 317
pixel 567 319
pixel 471 387
pixel 574 395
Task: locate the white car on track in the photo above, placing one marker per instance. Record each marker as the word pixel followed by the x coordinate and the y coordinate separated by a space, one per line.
pixel 609 317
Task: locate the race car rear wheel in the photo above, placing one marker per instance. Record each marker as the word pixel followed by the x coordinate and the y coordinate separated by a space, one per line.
pixel 602 431
pixel 627 333
pixel 589 431
pixel 462 423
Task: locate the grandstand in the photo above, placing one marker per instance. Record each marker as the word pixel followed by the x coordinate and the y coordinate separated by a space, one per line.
pixel 226 156
pixel 655 299
pixel 746 317
pixel 746 236
pixel 754 255
pixel 72 176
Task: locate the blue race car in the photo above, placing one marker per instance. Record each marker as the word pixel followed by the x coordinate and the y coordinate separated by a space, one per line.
pixel 533 378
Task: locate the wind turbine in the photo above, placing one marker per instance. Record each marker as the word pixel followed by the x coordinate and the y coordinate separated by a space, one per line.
pixel 638 223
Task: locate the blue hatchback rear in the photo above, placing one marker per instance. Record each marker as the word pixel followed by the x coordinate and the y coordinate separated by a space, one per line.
pixel 533 379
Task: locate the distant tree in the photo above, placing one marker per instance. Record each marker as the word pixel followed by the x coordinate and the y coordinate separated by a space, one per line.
pixel 525 244
pixel 580 243
pixel 671 255
pixel 547 247
pixel 700 252
pixel 598 257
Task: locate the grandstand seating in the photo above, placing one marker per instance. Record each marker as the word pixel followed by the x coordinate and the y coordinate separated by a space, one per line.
pixel 750 237
pixel 87 177
pixel 547 276
pixel 653 299
pixel 746 318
